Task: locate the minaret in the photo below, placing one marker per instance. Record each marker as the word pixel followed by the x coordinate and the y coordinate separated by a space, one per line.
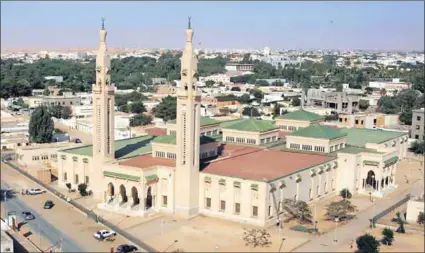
pixel 103 105
pixel 188 132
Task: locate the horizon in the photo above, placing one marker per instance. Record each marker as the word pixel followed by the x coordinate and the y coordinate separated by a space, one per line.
pixel 381 26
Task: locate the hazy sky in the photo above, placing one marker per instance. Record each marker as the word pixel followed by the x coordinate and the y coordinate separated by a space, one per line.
pixel 344 25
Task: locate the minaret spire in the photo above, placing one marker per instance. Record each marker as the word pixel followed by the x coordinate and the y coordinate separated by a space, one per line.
pixel 189 25
pixel 103 23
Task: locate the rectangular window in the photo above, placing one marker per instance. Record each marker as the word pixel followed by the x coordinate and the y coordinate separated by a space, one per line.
pixel 274 138
pixel 87 180
pixel 76 179
pixel 307 147
pixel 208 202
pixel 417 137
pixel 294 146
pixel 208 133
pixel 268 139
pixel 269 211
pixel 255 211
pixel 164 200
pixel 262 141
pixel 417 127
pixel 222 205
pixel 65 176
pixel 418 118
pixel 283 127
pixel 230 139
pixel 250 141
pixel 356 121
pixel 237 208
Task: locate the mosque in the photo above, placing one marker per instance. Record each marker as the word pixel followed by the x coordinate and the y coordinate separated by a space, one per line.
pixel 237 170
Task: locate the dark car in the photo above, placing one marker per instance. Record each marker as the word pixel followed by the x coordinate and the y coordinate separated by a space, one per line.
pixel 28 216
pixel 49 204
pixel 124 248
pixel 77 140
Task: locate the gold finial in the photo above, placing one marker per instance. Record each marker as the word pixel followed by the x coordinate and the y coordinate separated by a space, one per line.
pixel 189 25
pixel 103 23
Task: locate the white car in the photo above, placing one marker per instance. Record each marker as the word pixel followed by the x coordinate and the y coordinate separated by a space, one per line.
pixel 35 191
pixel 102 234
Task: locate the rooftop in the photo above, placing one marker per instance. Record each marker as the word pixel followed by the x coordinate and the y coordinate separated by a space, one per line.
pixel 125 148
pixel 356 150
pixel 243 163
pixel 147 161
pixel 249 125
pixel 171 139
pixel 205 121
pixel 318 131
pixel 358 137
pixel 301 115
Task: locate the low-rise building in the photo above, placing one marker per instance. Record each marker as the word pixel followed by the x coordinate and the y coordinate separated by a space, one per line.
pixel 338 101
pixel 370 120
pixel 296 120
pixel 249 131
pixel 239 67
pixel 417 130
pixel 395 84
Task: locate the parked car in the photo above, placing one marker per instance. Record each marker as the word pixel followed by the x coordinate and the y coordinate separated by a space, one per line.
pixel 49 204
pixel 102 234
pixel 77 140
pixel 35 191
pixel 28 216
pixel 124 248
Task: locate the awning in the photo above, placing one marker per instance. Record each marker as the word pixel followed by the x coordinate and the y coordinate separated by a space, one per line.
pixel 254 187
pixel 121 176
pixel 313 172
pixel 372 163
pixel 207 179
pixel 222 182
pixel 151 179
pixel 237 184
pixel 391 161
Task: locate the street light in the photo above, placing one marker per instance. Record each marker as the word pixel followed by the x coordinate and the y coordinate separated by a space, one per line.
pixel 170 245
pixel 280 247
pixel 373 213
pixel 336 227
pixel 370 196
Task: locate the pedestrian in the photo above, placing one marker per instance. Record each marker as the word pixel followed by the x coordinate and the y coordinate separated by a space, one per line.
pixel 352 242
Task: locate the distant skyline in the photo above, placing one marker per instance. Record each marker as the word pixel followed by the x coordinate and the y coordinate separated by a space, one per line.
pixel 291 25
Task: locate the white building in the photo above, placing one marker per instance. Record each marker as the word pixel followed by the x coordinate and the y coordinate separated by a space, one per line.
pixel 395 84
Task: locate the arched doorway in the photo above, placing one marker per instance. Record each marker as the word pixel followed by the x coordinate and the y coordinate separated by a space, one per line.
pixel 370 180
pixel 149 198
pixel 135 196
pixel 387 180
pixel 123 194
pixel 111 190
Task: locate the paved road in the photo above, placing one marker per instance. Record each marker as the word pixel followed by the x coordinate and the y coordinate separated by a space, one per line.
pixel 354 228
pixel 62 218
pixel 49 231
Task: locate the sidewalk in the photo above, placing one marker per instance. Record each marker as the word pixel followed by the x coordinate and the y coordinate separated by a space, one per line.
pixel 354 228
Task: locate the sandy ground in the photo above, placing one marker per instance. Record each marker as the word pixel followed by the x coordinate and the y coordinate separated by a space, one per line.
pixel 409 242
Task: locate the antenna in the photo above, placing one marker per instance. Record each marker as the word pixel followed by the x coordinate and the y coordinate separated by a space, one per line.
pixel 189 24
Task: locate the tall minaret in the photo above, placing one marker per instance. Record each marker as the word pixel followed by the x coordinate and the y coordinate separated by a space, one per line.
pixel 188 132
pixel 103 105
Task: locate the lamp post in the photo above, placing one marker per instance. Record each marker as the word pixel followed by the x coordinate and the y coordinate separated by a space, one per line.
pixel 175 241
pixel 370 196
pixel 336 227
pixel 315 226
pixel 373 213
pixel 280 247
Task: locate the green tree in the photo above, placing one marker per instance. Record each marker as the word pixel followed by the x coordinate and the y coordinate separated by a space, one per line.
pixel 400 223
pixel 256 237
pixel 340 209
pixel 56 111
pixel 388 236
pixel 209 83
pixel 251 112
pixel 296 101
pixel 367 244
pixel 124 108
pixel 236 88
pixel 167 109
pixel 66 112
pixel 363 104
pixel 302 212
pixel 137 107
pixel 258 94
pixel 339 87
pixel 244 99
pixel 345 194
pixel 276 110
pixel 41 125
pixel 421 218
pixel 82 189
pixel 140 120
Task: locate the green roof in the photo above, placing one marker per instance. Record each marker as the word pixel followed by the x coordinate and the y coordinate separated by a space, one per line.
pixel 301 115
pixel 121 176
pixel 205 121
pixel 165 139
pixel 360 136
pixel 171 139
pixel 318 131
pixel 356 150
pixel 123 148
pixel 250 125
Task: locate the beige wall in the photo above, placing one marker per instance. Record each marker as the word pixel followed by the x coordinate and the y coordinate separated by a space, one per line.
pixel 230 135
pixel 413 210
pixel 208 130
pixel 36 154
pixel 322 144
pixel 293 125
pixel 263 198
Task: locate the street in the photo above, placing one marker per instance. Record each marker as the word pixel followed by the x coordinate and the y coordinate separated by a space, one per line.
pixel 40 225
pixel 61 222
pixel 354 228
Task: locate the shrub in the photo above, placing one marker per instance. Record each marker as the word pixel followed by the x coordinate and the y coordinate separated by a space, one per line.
pixel 345 194
pixel 68 185
pixel 388 236
pixel 82 189
pixel 367 244
pixel 421 218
